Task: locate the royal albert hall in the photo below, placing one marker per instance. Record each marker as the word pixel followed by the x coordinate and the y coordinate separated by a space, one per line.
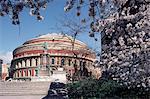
pixel 42 55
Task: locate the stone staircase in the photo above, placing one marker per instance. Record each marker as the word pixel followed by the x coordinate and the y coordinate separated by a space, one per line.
pixel 23 88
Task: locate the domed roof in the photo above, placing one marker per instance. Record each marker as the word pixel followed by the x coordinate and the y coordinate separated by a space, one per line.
pixel 53 43
pixel 53 37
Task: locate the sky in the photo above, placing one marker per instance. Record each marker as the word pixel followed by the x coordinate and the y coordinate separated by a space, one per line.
pixel 12 36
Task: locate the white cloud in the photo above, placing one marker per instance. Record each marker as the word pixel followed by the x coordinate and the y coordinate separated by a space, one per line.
pixel 6 56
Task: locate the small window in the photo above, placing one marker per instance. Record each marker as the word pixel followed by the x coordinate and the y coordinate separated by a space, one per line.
pixel 62 61
pixel 21 72
pixel 36 62
pixel 30 62
pixel 75 63
pixel 53 61
pixel 80 63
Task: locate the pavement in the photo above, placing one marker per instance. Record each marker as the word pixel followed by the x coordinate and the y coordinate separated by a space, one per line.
pixel 22 97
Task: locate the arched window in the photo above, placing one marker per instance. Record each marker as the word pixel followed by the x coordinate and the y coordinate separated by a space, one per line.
pixel 63 61
pixel 53 61
pixel 81 65
pixel 75 63
pixel 30 72
pixel 36 62
pixel 69 62
pixel 24 73
pixel 30 62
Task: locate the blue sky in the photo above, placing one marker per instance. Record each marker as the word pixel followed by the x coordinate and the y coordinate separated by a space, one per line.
pixel 12 36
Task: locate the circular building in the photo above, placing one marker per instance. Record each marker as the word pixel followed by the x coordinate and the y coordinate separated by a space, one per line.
pixel 47 54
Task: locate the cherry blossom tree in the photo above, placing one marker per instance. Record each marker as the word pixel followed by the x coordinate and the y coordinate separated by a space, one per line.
pixel 124 26
pixel 14 7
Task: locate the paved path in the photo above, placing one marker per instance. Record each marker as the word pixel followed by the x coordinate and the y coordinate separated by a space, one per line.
pixel 22 97
pixel 23 88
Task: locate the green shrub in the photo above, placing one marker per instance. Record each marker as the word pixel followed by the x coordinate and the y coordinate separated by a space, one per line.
pixel 104 89
pixel 89 88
